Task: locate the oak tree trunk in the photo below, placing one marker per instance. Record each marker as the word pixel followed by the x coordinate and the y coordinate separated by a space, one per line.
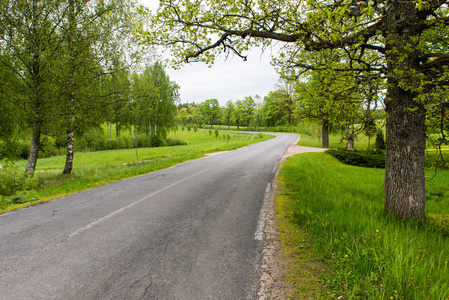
pixel 404 165
pixel 405 129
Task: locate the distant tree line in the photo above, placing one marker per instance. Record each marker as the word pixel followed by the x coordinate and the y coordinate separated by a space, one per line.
pixel 330 103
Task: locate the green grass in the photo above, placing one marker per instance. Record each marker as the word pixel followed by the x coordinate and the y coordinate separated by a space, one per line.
pixel 91 169
pixel 372 256
pixel 335 141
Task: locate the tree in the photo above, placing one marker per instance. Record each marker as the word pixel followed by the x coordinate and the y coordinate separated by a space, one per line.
pixel 210 109
pixel 397 33
pixel 285 100
pixel 31 34
pixel 155 96
pixel 269 109
pixel 249 106
pixel 92 52
pixel 312 104
pixel 237 114
pixel 228 110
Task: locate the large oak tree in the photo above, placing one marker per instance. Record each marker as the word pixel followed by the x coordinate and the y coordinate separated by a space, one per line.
pixel 397 32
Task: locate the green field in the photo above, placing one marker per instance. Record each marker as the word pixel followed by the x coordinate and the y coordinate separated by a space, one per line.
pixel 339 210
pixel 91 169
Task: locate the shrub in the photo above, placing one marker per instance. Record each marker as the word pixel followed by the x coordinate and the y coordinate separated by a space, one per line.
pixel 14 179
pixel 380 141
pixel 216 132
pixel 195 128
pixel 112 144
pixel 175 142
pixel 13 148
pixel 189 128
pixel 125 143
pixel 361 158
pixel 157 141
pixel 143 141
pixel 48 147
pixel 93 140
pixel 210 131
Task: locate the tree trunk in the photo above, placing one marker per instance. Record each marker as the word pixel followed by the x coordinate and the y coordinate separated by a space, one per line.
pixel 117 130
pixel 404 163
pixel 34 150
pixel 351 142
pixel 70 148
pixel 71 95
pixel 406 133
pixel 325 134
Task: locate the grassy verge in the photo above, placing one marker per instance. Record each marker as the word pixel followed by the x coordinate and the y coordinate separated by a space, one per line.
pixel 335 141
pixel 372 256
pixel 92 169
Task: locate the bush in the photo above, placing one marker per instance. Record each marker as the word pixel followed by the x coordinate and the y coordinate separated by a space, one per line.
pixel 125 143
pixel 189 128
pixel 360 158
pixel 93 140
pixel 380 141
pixel 157 141
pixel 175 142
pixel 48 147
pixel 216 132
pixel 14 179
pixel 195 128
pixel 112 144
pixel 143 141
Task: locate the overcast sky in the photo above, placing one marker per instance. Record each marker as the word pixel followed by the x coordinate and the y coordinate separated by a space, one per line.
pixel 232 79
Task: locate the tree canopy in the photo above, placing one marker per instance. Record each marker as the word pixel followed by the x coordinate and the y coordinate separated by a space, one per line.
pixel 397 41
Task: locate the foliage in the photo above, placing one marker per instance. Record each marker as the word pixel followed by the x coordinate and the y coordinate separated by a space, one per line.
pixel 12 179
pixel 380 141
pixel 360 39
pixel 360 158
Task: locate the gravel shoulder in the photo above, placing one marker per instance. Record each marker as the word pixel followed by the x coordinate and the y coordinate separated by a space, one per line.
pixel 273 284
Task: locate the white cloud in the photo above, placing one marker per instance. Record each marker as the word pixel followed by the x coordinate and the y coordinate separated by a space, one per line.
pixel 232 79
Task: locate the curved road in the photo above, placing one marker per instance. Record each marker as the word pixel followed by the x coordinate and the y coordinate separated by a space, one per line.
pixel 193 231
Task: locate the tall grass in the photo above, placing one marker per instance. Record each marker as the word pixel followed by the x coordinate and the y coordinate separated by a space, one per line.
pixel 91 169
pixel 373 256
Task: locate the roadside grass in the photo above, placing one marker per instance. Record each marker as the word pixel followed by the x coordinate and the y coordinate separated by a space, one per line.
pixel 335 141
pixel 372 256
pixel 92 169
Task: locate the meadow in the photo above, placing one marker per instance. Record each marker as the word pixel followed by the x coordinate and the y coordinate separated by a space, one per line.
pixel 92 169
pixel 349 248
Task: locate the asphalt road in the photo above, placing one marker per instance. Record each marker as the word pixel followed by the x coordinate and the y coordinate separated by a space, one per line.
pixel 193 231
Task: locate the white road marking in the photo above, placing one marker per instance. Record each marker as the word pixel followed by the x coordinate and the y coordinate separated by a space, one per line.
pixel 258 236
pixel 82 229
